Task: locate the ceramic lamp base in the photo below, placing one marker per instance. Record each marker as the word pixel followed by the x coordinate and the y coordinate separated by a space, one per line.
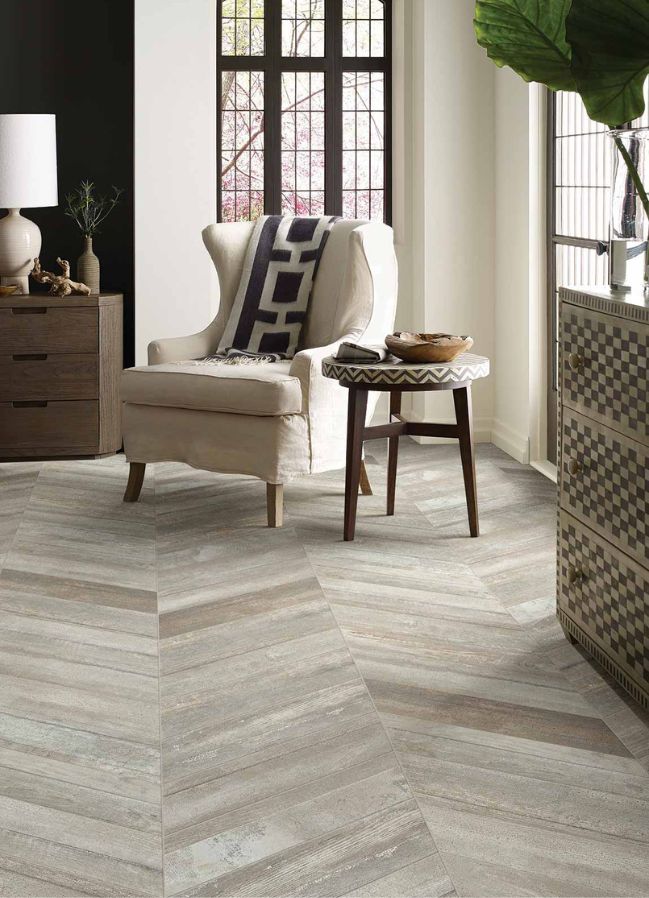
pixel 21 283
pixel 20 244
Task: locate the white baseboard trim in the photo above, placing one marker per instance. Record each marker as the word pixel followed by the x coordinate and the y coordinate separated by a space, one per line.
pixel 512 443
pixel 546 468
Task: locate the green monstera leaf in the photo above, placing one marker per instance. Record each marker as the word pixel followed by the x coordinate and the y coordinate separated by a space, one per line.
pixel 529 36
pixel 610 59
pixel 598 48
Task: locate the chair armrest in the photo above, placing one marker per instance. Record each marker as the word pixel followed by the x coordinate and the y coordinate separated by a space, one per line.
pixel 307 366
pixel 180 349
pixel 324 402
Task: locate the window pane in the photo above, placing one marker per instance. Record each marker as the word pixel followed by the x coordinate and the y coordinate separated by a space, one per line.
pixel 242 28
pixel 583 166
pixel 363 23
pixel 363 145
pixel 242 146
pixel 303 27
pixel 303 143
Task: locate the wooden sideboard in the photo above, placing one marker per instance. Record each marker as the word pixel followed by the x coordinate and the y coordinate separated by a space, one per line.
pixel 60 364
pixel 603 557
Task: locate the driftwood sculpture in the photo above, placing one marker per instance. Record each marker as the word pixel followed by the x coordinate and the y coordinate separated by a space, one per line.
pixel 61 283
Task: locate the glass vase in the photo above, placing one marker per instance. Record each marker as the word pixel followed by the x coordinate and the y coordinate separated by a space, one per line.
pixel 628 255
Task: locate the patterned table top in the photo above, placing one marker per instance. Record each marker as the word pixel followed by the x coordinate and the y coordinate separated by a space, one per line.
pixel 392 372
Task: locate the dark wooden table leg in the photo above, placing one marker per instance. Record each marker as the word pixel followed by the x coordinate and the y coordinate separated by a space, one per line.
pixel 464 417
pixel 356 411
pixel 393 453
pixel 135 481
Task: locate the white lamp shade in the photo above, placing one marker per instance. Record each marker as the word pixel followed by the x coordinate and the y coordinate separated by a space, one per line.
pixel 27 161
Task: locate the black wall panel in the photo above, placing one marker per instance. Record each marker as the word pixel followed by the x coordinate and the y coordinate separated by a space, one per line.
pixel 74 58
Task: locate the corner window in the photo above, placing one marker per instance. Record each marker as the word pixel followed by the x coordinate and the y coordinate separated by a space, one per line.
pixel 304 108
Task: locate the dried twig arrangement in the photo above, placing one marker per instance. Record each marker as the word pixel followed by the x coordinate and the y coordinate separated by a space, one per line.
pixel 61 285
pixel 88 210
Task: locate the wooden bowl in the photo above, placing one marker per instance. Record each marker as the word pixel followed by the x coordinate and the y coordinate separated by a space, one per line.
pixel 424 348
pixel 7 291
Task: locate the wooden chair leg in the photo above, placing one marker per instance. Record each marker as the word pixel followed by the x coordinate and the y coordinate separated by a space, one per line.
pixel 135 481
pixel 393 453
pixel 366 486
pixel 275 504
pixel 356 411
pixel 464 417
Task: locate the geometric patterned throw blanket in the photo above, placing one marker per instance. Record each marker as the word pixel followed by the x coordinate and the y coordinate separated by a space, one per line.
pixel 273 296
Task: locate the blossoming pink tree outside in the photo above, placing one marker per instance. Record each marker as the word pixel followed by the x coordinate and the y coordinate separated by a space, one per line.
pixel 243 122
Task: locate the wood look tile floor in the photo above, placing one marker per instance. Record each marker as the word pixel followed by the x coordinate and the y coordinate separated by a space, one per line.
pixel 192 704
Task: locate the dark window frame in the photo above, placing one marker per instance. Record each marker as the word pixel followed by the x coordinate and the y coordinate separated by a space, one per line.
pixel 333 64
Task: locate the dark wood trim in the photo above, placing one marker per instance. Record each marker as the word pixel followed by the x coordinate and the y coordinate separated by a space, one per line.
pixel 356 411
pixel 135 480
pixel 273 109
pixel 464 416
pixel 393 451
pixel 334 107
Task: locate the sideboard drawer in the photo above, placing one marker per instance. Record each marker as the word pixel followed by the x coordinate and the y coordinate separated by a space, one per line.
pixel 41 329
pixel 48 425
pixel 54 376
pixel 605 483
pixel 604 593
pixel 604 369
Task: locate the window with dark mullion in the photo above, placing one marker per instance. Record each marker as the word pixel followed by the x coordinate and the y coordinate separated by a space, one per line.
pixel 304 108
pixel 579 177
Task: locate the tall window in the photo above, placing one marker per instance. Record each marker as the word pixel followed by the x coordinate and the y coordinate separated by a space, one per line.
pixel 304 108
pixel 579 173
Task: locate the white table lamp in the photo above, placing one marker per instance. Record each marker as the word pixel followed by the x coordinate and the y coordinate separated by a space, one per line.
pixel 27 180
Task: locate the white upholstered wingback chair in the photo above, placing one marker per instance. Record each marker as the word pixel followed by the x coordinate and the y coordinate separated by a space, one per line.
pixel 276 421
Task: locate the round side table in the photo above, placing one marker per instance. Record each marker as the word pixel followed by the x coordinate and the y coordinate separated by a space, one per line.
pixel 397 378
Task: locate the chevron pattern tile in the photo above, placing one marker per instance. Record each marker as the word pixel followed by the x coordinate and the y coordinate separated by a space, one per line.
pixel 463 369
pixel 194 705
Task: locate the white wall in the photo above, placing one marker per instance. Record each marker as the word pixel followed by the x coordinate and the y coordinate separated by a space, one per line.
pixel 175 167
pixel 452 190
pixel 511 366
pixel 519 368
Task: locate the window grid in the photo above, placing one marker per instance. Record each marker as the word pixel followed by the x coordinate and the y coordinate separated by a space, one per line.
pixel 368 79
pixel 363 146
pixel 303 166
pixel 363 31
pixel 242 161
pixel 579 182
pixel 303 28
pixel 242 28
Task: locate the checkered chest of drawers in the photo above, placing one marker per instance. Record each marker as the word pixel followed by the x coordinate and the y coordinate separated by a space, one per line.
pixel 603 546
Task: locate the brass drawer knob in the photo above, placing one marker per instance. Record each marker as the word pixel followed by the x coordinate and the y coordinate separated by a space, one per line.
pixel 575 361
pixel 575 575
pixel 574 467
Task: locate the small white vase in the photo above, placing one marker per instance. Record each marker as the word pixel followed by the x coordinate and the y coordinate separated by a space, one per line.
pixel 88 267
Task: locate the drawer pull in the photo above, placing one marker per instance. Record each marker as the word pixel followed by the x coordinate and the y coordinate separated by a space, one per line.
pixel 41 310
pixel 30 357
pixel 575 362
pixel 31 404
pixel 574 467
pixel 575 575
